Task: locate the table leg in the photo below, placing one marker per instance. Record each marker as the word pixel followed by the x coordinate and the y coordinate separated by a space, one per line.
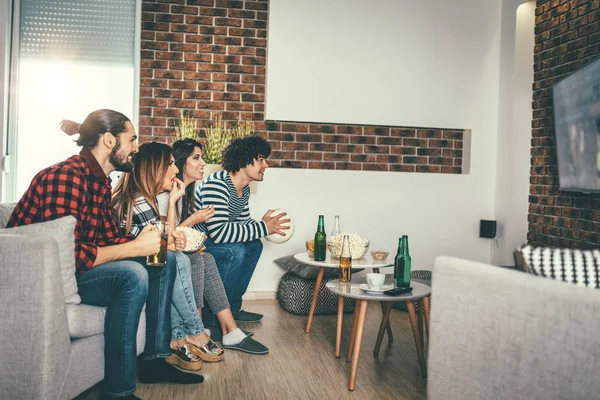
pixel 353 331
pixel 420 320
pixel 358 341
pixel 388 327
pixel 338 334
pixel 314 299
pixel 415 328
pixel 426 309
pixel 384 323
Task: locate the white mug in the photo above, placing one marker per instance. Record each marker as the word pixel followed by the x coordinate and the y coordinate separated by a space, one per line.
pixel 375 281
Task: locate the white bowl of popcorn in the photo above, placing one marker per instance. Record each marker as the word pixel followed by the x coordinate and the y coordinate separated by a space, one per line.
pixel 358 245
pixel 193 237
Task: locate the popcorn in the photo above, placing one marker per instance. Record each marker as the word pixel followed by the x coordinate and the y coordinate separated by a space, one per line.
pixel 194 238
pixel 358 245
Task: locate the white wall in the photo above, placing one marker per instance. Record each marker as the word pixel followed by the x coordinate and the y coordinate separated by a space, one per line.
pixel 428 63
pixel 514 138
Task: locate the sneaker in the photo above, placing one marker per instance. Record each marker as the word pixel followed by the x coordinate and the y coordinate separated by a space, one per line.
pixel 246 316
pixel 249 345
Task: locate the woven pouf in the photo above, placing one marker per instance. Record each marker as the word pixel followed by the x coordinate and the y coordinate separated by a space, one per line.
pixel 295 295
pixel 421 276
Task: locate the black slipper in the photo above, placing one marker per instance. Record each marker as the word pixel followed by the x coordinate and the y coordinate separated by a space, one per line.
pixel 217 335
pixel 248 345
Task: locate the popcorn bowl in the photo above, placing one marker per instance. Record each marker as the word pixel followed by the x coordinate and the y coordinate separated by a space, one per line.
pixel 358 245
pixel 193 237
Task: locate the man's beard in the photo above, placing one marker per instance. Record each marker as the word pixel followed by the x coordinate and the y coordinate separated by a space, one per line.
pixel 121 164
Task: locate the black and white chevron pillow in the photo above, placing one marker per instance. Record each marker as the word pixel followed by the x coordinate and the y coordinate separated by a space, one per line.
pixel 581 267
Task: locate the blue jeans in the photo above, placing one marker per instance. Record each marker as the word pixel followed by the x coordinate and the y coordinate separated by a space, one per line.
pixel 185 319
pixel 236 263
pixel 123 287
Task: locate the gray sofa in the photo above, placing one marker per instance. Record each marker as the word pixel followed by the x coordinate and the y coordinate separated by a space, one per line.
pixel 503 334
pixel 48 349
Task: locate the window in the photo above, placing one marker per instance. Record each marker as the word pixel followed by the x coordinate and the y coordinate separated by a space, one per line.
pixel 70 57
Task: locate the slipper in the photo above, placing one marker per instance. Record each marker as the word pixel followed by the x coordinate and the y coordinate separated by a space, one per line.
pixel 217 335
pixel 248 345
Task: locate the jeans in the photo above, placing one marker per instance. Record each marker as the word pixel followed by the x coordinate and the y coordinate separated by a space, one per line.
pixel 185 319
pixel 236 263
pixel 123 287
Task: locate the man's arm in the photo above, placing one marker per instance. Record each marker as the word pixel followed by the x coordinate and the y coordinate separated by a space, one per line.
pixel 220 228
pixel 147 242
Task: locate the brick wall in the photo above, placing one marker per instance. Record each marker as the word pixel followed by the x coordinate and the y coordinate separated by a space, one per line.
pixel 208 56
pixel 567 37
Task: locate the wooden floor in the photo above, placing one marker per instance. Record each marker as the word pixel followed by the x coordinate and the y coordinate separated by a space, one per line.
pixel 303 366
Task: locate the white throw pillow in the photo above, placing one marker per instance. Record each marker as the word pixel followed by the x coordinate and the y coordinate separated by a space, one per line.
pixel 581 267
pixel 61 229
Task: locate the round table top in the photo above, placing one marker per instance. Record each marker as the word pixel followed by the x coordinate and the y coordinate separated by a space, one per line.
pixel 332 262
pixel 352 290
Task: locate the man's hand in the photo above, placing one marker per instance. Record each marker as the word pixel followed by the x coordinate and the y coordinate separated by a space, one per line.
pixel 179 240
pixel 204 215
pixel 148 241
pixel 275 224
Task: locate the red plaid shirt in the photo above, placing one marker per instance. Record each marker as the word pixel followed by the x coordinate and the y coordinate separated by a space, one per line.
pixel 77 187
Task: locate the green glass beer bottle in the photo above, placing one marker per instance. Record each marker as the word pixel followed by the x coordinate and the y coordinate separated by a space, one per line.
pixel 320 241
pixel 397 273
pixel 402 264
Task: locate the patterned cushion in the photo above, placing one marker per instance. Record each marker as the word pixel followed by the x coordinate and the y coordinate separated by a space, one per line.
pixel 581 267
pixel 421 276
pixel 295 295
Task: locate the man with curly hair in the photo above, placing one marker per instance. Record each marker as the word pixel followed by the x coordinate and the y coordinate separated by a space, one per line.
pixel 233 237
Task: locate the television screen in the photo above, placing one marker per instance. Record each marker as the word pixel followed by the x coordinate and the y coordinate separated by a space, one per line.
pixel 577 126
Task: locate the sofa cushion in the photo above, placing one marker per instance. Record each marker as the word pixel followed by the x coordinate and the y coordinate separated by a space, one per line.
pixel 85 320
pixel 61 229
pixel 6 210
pixel 568 265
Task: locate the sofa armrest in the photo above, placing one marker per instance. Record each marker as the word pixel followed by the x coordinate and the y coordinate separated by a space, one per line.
pixel 502 334
pixel 34 336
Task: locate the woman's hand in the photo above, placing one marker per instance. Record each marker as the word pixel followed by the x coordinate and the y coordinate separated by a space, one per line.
pixel 179 240
pixel 201 251
pixel 204 215
pixel 177 192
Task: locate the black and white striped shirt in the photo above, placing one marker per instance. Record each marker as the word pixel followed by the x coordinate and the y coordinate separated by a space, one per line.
pixel 231 222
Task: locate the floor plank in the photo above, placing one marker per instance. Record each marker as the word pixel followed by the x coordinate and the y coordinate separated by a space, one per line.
pixel 303 366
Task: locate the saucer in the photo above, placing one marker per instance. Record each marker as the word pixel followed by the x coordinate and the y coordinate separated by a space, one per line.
pixel 384 287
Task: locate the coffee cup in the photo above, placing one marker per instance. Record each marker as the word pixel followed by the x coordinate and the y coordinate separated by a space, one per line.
pixel 375 281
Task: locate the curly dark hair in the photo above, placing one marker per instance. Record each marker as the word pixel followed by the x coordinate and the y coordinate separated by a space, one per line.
pixel 243 151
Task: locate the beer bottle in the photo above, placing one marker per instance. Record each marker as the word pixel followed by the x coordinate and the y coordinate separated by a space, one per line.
pixel 345 260
pixel 402 264
pixel 320 241
pixel 336 226
pixel 397 272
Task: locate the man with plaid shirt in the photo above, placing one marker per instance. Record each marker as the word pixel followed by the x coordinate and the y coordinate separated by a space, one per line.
pixel 110 267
